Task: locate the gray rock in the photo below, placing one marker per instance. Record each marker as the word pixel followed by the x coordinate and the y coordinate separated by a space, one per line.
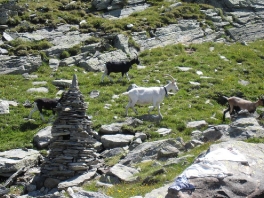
pixel 7 36
pixel 4 107
pixel 168 152
pixel 38 90
pixel 115 128
pixel 142 136
pixel 20 64
pixel 192 144
pixel 77 180
pixel 101 5
pixel 96 63
pixel 111 128
pixel 62 83
pixel 121 13
pixel 118 140
pixel 12 160
pixel 135 143
pixel 196 124
pixel 85 194
pixel 4 190
pixel 3 51
pixel 29 76
pixel 121 42
pixel 54 63
pixel 245 128
pixel 148 151
pixel 42 139
pixel 163 131
pixel 212 134
pixel 180 160
pixel 124 173
pixel 112 152
pixel 241 159
pixel 196 134
pixel 40 83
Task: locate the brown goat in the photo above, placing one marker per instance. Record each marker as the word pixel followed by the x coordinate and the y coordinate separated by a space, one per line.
pixel 236 103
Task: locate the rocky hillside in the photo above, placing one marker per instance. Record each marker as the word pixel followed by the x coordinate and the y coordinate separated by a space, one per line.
pixel 227 21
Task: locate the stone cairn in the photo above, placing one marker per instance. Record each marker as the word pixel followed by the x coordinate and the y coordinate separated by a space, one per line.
pixel 72 151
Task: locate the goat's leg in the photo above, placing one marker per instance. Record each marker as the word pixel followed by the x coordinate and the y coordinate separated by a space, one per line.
pixel 102 79
pixel 121 76
pixel 127 77
pixel 225 112
pixel 159 112
pixel 151 109
pixel 35 108
pixel 132 105
pixel 51 117
pixel 108 75
pixel 41 115
pixel 105 73
pixel 231 109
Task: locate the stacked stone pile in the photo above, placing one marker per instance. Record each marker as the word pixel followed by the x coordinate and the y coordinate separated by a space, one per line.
pixel 72 152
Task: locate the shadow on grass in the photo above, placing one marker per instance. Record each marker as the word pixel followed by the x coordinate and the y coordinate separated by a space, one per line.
pixel 29 126
pixel 150 118
pixel 115 82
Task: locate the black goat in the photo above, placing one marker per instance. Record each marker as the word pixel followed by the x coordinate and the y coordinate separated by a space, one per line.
pixel 44 103
pixel 119 67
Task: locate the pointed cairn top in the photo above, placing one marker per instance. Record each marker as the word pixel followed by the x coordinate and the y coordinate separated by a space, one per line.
pixel 74 81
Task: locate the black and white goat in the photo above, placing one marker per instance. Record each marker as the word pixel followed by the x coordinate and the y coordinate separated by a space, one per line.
pixel 235 104
pixel 149 95
pixel 119 67
pixel 44 104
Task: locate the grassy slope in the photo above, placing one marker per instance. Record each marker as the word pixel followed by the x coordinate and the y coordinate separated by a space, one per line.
pixel 189 104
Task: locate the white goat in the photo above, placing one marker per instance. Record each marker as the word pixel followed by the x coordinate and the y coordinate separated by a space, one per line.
pixel 146 95
pixel 235 103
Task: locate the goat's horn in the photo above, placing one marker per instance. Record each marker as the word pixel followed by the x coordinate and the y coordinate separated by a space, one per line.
pixel 173 80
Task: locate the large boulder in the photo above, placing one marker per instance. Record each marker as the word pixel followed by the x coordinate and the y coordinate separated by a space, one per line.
pixel 117 140
pixel 152 150
pixel 19 64
pixel 232 169
pixel 12 160
pixel 42 139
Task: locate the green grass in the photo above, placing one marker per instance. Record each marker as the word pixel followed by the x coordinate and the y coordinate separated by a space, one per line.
pixel 189 104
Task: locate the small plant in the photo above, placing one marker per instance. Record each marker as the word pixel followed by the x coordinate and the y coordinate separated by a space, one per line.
pixel 75 50
pixel 64 54
pixel 111 161
pixel 92 40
